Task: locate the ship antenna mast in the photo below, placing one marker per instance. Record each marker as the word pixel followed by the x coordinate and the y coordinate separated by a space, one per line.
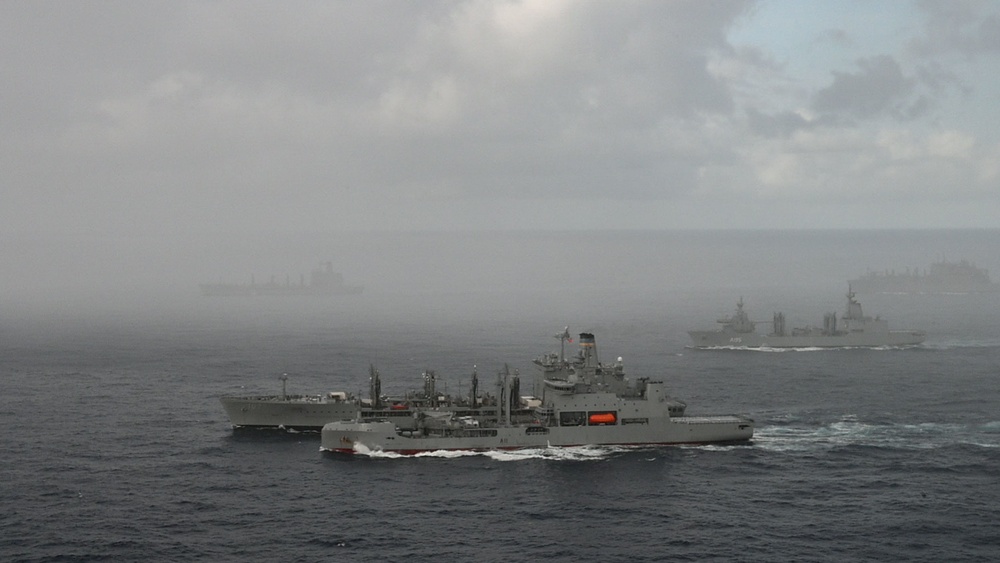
pixel 503 397
pixel 563 337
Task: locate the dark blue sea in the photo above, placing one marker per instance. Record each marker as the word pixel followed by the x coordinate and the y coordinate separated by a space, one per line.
pixel 115 446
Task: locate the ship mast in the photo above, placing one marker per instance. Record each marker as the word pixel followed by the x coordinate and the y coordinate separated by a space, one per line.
pixel 473 400
pixel 563 337
pixel 503 395
pixel 374 387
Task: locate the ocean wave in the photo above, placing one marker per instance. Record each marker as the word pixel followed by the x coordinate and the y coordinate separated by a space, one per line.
pixel 960 344
pixel 849 431
pixel 769 349
pixel 574 453
pixel 567 453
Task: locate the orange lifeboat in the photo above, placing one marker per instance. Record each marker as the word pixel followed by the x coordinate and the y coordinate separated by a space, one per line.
pixel 602 418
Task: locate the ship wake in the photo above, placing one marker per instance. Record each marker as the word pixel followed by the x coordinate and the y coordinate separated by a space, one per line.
pixel 567 453
pixel 784 349
pixel 849 432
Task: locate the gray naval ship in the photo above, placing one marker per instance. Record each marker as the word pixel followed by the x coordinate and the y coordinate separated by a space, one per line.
pixel 943 277
pixel 311 412
pixel 583 402
pixel 854 329
pixel 322 283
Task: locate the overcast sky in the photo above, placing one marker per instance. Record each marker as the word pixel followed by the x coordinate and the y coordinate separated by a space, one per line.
pixel 230 116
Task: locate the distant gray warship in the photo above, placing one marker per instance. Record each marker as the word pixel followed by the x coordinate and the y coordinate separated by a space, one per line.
pixel 582 403
pixel 853 330
pixel 311 412
pixel 943 277
pixel 321 283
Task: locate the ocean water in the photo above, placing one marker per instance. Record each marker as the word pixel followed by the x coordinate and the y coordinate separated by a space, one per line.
pixel 115 447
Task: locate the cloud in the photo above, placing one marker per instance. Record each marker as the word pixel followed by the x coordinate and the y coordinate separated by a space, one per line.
pixel 780 125
pixel 439 101
pixel 221 115
pixel 841 165
pixel 878 88
pixel 966 27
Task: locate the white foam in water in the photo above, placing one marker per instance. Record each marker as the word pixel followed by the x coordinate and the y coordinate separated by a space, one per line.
pixel 575 453
pixel 712 447
pixel 805 348
pixel 770 349
pixel 799 349
pixel 991 426
pixel 849 431
pixel 957 344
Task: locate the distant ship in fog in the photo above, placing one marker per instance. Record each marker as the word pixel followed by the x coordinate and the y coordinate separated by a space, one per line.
pixel 322 282
pixel 854 329
pixel 943 277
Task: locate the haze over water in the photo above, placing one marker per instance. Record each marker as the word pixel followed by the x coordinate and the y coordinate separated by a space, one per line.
pixel 121 450
pixel 492 172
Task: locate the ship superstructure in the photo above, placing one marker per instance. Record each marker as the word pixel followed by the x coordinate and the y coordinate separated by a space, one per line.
pixel 322 282
pixel 582 402
pixel 311 412
pixel 852 329
pixel 942 277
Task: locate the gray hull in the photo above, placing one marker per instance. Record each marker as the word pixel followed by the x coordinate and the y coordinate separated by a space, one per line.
pixel 570 414
pixel 715 338
pixel 852 330
pixel 302 412
pixel 353 437
pixel 943 277
pixel 919 286
pixel 231 290
pixel 312 412
pixel 322 282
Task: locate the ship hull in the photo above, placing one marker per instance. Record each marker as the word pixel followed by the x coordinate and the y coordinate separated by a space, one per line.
pixel 944 277
pixel 311 412
pixel 852 330
pixel 222 290
pixel 715 338
pixel 352 437
pixel 300 413
pixel 881 285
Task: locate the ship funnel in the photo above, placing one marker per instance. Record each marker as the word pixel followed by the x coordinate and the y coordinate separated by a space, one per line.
pixel 588 349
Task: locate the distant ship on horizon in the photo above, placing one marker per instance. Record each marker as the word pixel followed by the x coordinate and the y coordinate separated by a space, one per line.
pixel 322 282
pixel 853 329
pixel 942 277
